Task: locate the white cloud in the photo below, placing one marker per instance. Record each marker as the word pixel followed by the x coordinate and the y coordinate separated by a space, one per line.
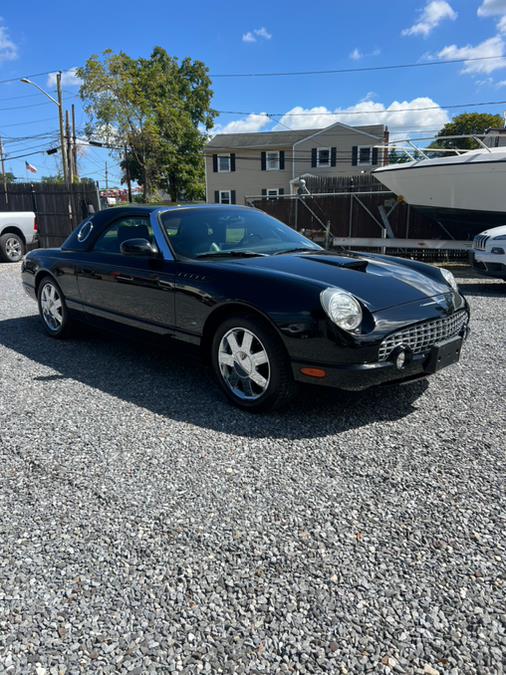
pixel 263 33
pixel 8 49
pixel 68 79
pixel 399 116
pixel 492 8
pixel 493 47
pixel 356 54
pixel 253 35
pixel 501 24
pixel 430 17
pixel 253 122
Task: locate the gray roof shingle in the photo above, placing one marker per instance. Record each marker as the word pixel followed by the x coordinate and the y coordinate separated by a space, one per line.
pixel 276 139
pixel 259 139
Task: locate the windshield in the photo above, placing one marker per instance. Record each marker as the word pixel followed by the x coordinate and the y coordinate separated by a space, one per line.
pixel 227 231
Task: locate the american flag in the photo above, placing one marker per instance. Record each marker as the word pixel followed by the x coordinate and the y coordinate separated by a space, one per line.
pixel 30 167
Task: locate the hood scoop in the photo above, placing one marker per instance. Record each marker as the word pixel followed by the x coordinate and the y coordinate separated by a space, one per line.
pixel 340 261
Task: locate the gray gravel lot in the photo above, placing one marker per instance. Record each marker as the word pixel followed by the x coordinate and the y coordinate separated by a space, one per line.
pixel 146 526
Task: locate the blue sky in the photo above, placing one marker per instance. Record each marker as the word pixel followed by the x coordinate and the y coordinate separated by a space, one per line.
pixel 261 37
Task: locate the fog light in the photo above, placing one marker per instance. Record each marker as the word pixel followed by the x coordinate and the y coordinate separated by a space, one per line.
pixel 400 358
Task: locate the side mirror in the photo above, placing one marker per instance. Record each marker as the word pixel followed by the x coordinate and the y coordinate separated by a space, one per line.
pixel 140 247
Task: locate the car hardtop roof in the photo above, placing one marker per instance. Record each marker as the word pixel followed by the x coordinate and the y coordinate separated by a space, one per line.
pixel 139 209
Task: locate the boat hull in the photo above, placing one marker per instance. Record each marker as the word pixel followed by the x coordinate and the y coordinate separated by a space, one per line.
pixel 478 185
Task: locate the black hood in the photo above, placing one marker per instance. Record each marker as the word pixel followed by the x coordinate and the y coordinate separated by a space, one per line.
pixel 378 282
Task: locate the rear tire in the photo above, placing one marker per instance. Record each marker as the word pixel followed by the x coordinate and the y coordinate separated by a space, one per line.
pixel 12 247
pixel 53 309
pixel 251 365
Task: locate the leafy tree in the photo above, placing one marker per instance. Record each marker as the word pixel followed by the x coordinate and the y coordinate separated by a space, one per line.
pixel 9 177
pixel 154 113
pixel 397 156
pixel 58 178
pixel 467 123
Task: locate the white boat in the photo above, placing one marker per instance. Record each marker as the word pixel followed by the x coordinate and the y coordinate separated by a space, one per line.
pixel 468 187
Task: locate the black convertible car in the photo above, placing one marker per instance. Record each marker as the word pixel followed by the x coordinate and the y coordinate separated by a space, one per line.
pixel 269 307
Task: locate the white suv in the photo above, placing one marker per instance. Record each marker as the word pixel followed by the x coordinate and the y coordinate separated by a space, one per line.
pixel 488 255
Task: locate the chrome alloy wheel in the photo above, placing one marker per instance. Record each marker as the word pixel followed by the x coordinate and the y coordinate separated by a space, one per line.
pixel 51 307
pixel 244 363
pixel 13 249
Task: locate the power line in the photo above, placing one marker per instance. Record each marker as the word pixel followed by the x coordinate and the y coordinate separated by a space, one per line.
pixel 34 105
pixel 16 79
pixel 363 69
pixel 363 112
pixel 20 124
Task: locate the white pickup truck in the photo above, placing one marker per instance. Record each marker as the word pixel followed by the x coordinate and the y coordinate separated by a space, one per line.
pixel 488 255
pixel 18 229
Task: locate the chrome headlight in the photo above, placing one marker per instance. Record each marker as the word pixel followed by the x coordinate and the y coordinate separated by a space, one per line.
pixel 342 308
pixel 450 279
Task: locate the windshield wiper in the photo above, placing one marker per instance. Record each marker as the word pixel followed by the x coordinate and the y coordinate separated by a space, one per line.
pixel 239 253
pixel 299 249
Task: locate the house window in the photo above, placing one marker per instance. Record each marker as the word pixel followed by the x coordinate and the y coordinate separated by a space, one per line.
pixel 323 157
pixel 364 154
pixel 224 163
pixel 225 197
pixel 272 161
pixel 273 192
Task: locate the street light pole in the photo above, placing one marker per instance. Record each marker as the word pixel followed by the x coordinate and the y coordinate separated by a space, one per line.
pixel 59 103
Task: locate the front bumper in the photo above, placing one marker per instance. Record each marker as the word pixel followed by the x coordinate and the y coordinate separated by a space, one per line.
pixel 356 377
pixel 412 355
pixel 487 264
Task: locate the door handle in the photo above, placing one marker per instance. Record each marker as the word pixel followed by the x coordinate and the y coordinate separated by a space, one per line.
pixel 124 277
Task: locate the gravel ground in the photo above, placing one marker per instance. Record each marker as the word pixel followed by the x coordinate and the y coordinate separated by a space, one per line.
pixel 148 527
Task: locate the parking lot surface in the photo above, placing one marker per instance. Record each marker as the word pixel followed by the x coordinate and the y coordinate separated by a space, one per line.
pixel 147 526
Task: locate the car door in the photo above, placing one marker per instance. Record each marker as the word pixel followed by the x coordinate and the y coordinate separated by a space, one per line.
pixel 133 290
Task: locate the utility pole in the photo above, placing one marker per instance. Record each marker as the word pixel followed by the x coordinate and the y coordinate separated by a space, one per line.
pixel 3 171
pixel 70 159
pixel 74 143
pixel 106 177
pixel 62 132
pixel 128 177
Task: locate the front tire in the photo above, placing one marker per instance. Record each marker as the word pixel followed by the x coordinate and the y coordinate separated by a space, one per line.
pixel 52 308
pixel 12 247
pixel 251 365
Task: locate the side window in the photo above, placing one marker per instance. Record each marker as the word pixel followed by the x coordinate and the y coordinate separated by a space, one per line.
pixel 122 229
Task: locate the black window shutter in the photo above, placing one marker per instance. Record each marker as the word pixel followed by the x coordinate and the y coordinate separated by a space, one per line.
pixel 232 196
pixel 264 192
pixel 333 156
pixel 281 160
pixel 232 161
pixel 281 191
pixel 215 163
pixel 313 157
pixel 375 155
pixel 263 160
pixel 354 155
pixel 216 197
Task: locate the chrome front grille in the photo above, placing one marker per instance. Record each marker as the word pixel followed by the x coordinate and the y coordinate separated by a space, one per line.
pixel 480 242
pixel 421 336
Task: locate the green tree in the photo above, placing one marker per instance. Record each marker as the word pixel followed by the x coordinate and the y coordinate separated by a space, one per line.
pixel 58 178
pixel 154 113
pixel 9 177
pixel 396 156
pixel 467 123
